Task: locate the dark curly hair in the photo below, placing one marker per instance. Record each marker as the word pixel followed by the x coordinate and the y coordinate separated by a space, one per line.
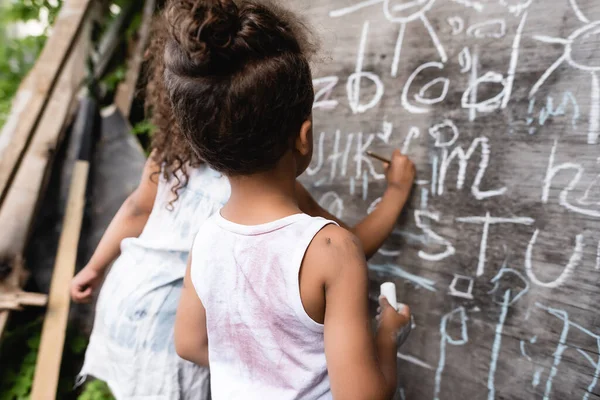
pixel 239 80
pixel 170 150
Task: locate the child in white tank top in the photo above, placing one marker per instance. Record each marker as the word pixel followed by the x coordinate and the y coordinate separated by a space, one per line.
pixel 274 301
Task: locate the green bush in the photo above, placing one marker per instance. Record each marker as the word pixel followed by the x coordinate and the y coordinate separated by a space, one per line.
pixel 95 390
pixel 19 349
pixel 17 55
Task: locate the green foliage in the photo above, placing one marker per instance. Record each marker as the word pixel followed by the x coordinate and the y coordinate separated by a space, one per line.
pixel 16 379
pixel 143 128
pixel 78 344
pixel 17 55
pixel 95 390
pixel 114 78
pixel 27 10
pixel 19 351
pixel 134 26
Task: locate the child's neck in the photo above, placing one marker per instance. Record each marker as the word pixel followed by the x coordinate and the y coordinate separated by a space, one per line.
pixel 262 197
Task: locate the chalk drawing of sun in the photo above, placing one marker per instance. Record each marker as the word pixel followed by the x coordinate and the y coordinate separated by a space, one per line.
pixel 400 12
pixel 577 49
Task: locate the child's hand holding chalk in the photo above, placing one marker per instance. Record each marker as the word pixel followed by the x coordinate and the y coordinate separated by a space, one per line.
pixel 400 171
pixel 378 157
pixel 392 316
pixel 388 290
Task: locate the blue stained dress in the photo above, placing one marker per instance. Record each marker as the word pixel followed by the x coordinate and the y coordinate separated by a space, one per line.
pixel 131 346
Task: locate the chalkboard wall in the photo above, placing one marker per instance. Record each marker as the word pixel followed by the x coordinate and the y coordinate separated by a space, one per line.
pixel 498 254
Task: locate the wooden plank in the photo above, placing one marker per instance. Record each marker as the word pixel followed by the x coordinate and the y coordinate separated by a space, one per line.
pixel 16 300
pixel 15 279
pixel 55 324
pixel 39 85
pixel 18 108
pixel 498 256
pixel 18 210
pixel 126 89
pixel 111 39
pixel 47 369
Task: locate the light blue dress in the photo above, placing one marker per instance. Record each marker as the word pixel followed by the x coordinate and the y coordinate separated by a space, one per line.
pixel 131 346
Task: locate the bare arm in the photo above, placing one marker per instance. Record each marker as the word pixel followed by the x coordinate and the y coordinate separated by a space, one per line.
pixel 191 338
pixel 359 366
pixel 374 229
pixel 129 221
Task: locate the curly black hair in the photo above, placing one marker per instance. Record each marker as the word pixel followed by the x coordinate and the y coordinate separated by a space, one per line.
pixel 239 80
pixel 170 150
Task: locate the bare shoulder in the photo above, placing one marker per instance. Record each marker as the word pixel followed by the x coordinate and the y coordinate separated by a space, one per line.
pixel 333 241
pixel 334 249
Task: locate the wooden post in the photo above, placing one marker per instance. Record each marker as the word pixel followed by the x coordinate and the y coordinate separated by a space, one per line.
pixel 47 369
pixel 111 40
pixel 55 323
pixel 126 89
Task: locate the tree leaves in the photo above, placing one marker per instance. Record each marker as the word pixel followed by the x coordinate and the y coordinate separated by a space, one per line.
pixel 95 390
pixel 18 54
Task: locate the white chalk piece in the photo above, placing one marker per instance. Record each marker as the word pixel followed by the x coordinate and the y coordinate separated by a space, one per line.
pixel 388 289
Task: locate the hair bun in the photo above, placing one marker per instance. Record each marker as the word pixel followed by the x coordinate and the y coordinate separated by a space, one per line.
pixel 203 29
pixel 218 37
pixel 221 26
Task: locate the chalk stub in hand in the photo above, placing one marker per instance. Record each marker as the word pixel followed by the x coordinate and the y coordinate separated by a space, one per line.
pixel 388 289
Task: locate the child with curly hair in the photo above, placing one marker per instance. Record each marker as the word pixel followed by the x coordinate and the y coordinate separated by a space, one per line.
pixel 274 300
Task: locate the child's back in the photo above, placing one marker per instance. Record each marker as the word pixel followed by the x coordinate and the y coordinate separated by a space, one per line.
pixel 273 300
pixel 262 343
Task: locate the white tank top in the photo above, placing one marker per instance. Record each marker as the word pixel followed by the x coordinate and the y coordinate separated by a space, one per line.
pixel 262 343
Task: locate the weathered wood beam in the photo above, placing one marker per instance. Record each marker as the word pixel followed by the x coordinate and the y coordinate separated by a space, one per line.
pixel 37 89
pixel 126 89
